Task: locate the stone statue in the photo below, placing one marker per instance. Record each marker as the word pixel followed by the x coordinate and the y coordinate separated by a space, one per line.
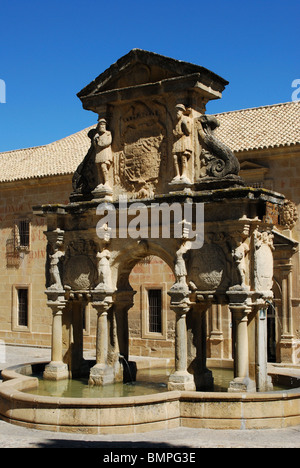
pixel 84 179
pixel 217 159
pixel 239 256
pixel 180 266
pixel 54 269
pixel 102 141
pixel 183 146
pixel 104 271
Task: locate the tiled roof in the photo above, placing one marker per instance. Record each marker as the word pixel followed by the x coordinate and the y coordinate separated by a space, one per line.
pixel 260 127
pixel 58 158
pixel 243 130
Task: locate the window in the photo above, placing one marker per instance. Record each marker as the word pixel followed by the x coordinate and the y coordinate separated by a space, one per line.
pixel 155 310
pixel 22 234
pixel 22 307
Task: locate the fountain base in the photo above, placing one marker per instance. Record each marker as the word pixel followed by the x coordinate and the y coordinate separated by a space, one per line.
pixel 56 371
pixel 147 412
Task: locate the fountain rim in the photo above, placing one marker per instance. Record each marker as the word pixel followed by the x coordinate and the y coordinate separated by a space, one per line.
pixel 13 377
pixel 145 413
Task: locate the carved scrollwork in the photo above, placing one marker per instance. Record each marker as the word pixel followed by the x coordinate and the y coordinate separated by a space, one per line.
pixel 218 161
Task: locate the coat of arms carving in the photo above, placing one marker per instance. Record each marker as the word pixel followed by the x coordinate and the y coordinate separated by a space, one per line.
pixel 144 150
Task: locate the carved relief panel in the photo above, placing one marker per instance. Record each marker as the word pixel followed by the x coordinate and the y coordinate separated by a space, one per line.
pixel 80 272
pixel 143 155
pixel 263 261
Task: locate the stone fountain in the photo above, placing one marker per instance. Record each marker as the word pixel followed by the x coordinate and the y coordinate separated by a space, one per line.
pixel 156 181
pixel 154 147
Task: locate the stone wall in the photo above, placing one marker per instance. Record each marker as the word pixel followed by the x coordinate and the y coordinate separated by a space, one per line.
pixel 153 273
pixel 25 268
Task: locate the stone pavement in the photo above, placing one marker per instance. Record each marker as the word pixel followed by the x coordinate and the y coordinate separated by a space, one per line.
pixel 180 439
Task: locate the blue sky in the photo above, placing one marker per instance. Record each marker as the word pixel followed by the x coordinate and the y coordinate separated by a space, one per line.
pixel 51 49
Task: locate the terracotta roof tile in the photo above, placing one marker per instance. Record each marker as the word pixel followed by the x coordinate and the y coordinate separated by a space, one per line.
pixel 57 158
pixel 261 127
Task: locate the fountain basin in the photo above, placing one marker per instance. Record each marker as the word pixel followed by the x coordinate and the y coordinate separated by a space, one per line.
pixel 219 410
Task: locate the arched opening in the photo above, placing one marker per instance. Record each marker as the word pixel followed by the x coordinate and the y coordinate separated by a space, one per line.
pixel 151 322
pixel 144 323
pixel 274 324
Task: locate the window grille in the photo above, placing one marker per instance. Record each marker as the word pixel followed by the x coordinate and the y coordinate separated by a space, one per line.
pixel 155 310
pixel 23 307
pixel 22 236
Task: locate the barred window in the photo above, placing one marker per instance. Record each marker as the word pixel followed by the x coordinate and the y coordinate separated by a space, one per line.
pixel 155 310
pixel 23 307
pixel 22 234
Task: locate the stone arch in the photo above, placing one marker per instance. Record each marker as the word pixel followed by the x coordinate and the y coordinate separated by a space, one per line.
pixel 274 322
pixel 124 263
pixel 137 251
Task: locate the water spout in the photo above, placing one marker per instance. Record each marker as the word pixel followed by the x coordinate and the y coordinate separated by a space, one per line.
pixel 129 370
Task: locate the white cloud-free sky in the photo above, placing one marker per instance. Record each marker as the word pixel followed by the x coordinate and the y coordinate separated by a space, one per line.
pixel 51 49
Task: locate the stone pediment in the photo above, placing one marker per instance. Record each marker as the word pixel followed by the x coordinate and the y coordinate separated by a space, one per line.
pixel 140 68
pixel 282 242
pixel 250 168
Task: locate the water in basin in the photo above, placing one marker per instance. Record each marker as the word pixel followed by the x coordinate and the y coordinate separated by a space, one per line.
pixel 149 381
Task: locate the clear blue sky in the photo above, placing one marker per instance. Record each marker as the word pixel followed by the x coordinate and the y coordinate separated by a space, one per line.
pixel 51 49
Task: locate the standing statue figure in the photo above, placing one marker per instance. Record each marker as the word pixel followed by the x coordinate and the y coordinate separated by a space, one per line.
pixel 55 279
pixel 102 142
pixel 182 147
pixel 104 271
pixel 180 267
pixel 239 256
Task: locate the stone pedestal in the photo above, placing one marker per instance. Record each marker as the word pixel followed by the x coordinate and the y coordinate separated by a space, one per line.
pixel 102 193
pixel 101 374
pixel 56 371
pixel 181 380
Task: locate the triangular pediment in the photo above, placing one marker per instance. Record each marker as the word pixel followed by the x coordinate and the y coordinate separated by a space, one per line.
pixel 140 67
pixel 251 166
pixel 253 172
pixel 283 242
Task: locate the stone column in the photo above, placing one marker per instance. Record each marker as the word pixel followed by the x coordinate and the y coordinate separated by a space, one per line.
pixel 216 334
pixel 102 373
pixel 181 379
pixel 124 301
pixel 241 382
pixel 286 342
pixel 57 369
pixel 263 381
